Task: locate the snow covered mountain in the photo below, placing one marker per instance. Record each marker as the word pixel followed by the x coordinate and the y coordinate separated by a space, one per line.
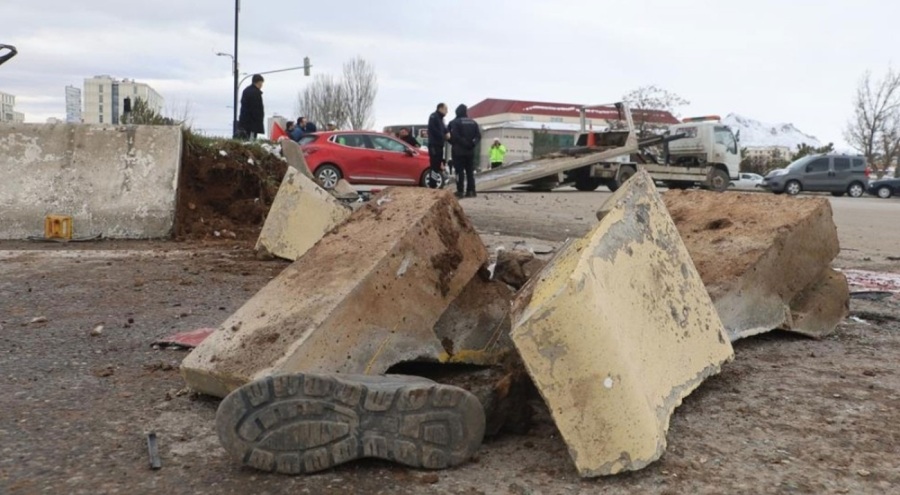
pixel 759 134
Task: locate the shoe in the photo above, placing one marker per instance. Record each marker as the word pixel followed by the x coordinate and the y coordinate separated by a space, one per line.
pixel 303 423
pixel 459 195
pixel 471 194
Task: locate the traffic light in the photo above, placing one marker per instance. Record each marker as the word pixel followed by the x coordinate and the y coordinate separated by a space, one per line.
pixel 306 66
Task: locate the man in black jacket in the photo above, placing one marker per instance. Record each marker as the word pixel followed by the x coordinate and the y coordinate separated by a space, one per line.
pixel 250 122
pixel 464 138
pixel 408 138
pixel 437 136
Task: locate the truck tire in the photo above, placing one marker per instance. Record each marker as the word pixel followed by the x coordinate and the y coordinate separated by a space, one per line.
pixel 625 173
pixel 718 180
pixel 588 184
pixel 612 185
pixel 679 184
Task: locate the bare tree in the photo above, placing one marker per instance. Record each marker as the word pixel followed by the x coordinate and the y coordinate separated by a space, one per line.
pixel 874 129
pixel 323 101
pixel 647 102
pixel 360 88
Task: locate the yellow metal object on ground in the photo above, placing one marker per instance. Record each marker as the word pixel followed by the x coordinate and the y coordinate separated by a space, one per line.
pixel 301 214
pixel 58 227
pixel 616 331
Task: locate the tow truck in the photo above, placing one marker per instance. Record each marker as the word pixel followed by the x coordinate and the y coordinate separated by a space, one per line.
pixel 698 151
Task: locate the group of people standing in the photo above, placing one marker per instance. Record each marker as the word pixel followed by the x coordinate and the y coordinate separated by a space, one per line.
pixel 463 134
pixel 304 126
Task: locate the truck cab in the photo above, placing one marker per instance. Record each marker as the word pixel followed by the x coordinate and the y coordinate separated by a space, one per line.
pixel 706 141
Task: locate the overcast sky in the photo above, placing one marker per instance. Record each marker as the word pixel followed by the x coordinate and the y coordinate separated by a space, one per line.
pixel 772 60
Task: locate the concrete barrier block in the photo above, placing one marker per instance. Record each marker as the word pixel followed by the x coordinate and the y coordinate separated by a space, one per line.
pixel 119 182
pixel 757 253
pixel 616 330
pixel 365 297
pixel 293 153
pixel 301 214
pixel 818 310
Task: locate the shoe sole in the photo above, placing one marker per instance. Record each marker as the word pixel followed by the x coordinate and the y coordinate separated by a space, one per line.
pixel 304 423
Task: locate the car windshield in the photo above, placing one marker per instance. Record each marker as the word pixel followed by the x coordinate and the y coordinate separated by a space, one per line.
pixel 801 162
pixel 307 139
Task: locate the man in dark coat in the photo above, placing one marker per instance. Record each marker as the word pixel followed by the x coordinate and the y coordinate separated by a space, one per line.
pixel 437 136
pixel 464 138
pixel 250 123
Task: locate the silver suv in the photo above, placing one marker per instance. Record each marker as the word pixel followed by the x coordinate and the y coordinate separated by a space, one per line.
pixel 837 174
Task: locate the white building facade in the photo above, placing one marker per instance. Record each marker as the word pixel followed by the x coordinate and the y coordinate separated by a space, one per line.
pixel 104 98
pixel 8 111
pixel 73 105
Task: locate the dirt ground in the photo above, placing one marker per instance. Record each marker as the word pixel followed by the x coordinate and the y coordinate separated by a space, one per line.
pixel 788 415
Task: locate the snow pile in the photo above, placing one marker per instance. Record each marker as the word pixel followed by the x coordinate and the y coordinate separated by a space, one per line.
pixel 756 134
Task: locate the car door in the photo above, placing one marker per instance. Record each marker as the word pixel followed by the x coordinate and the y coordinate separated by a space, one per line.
pixel 842 176
pixel 394 160
pixel 817 174
pixel 354 155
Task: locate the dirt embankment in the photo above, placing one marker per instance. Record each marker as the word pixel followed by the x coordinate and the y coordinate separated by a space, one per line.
pixel 225 189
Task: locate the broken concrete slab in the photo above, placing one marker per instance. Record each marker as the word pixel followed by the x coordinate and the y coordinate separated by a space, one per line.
pixel 293 153
pixel 343 190
pixel 301 214
pixel 365 297
pixel 758 253
pixel 616 330
pixel 515 267
pixel 817 310
pixel 475 327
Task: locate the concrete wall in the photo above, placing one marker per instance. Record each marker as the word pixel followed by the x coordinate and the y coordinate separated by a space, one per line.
pixel 120 182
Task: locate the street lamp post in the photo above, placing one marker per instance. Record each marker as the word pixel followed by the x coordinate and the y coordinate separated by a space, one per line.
pixel 234 114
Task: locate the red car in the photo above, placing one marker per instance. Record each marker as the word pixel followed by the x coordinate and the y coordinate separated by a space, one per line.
pixel 364 157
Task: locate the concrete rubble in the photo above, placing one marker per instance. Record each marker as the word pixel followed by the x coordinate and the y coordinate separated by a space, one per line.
pixel 364 298
pixel 765 260
pixel 293 153
pixel 301 214
pixel 616 330
pixel 516 267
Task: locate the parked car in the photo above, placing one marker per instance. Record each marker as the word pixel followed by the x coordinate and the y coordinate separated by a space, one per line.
pixel 884 188
pixel 747 181
pixel 363 157
pixel 837 174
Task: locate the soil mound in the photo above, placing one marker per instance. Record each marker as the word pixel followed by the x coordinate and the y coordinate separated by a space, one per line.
pixel 225 188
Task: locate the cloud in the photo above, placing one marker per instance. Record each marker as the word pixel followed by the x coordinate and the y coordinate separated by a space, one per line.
pixel 772 60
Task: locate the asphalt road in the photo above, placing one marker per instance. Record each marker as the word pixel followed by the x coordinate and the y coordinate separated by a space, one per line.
pixel 867 224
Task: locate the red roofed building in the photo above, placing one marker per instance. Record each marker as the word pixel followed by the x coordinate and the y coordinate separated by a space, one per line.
pixel 497 111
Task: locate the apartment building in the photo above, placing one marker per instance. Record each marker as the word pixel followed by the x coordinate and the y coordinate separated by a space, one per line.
pixel 104 98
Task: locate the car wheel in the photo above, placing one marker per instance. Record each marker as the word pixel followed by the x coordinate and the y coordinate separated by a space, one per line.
pixel 793 188
pixel 856 190
pixel 424 180
pixel 328 176
pixel 885 192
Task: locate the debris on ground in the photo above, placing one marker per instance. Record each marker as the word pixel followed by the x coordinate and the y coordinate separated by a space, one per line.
pixel 515 267
pixel 765 259
pixel 616 330
pixel 184 340
pixel 344 191
pixel 365 297
pixel 300 215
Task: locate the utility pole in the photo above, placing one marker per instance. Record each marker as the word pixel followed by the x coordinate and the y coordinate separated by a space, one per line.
pixel 234 118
